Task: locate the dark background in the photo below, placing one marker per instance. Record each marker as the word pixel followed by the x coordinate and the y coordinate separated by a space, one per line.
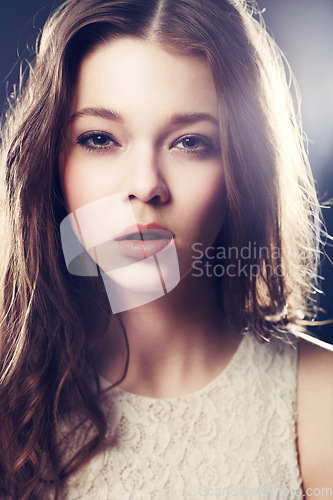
pixel 302 28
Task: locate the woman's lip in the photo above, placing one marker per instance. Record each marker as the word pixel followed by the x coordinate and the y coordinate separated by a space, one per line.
pixel 142 246
pixel 137 249
pixel 144 229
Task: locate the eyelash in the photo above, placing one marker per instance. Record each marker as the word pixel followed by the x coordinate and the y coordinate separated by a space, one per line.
pixel 83 141
pixel 206 148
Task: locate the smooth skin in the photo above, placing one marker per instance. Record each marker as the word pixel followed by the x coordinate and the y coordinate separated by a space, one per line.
pixel 145 120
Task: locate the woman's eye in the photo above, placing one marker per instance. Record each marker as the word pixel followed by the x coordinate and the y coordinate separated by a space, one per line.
pixel 195 144
pixel 97 141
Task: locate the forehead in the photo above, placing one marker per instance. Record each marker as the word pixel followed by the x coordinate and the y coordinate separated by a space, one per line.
pixel 133 75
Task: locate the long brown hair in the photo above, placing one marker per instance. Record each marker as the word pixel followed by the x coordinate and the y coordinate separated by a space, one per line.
pixel 46 315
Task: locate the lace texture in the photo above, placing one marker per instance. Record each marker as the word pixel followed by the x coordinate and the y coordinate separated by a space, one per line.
pixel 235 437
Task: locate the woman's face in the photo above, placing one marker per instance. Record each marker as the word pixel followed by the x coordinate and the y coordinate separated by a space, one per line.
pixel 144 121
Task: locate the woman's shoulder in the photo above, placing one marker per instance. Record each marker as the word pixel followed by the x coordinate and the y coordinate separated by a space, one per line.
pixel 315 415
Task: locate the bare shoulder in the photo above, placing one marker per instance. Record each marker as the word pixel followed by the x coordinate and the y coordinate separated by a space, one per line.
pixel 315 415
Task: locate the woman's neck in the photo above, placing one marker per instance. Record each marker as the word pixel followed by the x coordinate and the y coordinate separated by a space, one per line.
pixel 177 343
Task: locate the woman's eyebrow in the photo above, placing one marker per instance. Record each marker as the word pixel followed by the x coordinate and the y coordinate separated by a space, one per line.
pixel 107 113
pixel 183 119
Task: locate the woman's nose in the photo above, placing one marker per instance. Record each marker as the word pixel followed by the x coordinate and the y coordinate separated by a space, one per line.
pixel 145 179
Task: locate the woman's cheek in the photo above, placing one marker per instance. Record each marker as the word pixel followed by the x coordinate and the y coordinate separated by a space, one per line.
pixel 82 184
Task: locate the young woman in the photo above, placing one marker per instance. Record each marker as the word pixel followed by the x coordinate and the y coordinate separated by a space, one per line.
pixel 160 225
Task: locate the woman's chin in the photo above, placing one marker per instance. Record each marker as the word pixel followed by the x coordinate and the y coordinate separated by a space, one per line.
pixel 141 277
pixel 142 282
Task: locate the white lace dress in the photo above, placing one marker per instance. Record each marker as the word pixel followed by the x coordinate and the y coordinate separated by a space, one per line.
pixel 235 437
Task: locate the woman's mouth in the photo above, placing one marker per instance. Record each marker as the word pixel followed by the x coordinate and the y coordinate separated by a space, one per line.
pixel 143 240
